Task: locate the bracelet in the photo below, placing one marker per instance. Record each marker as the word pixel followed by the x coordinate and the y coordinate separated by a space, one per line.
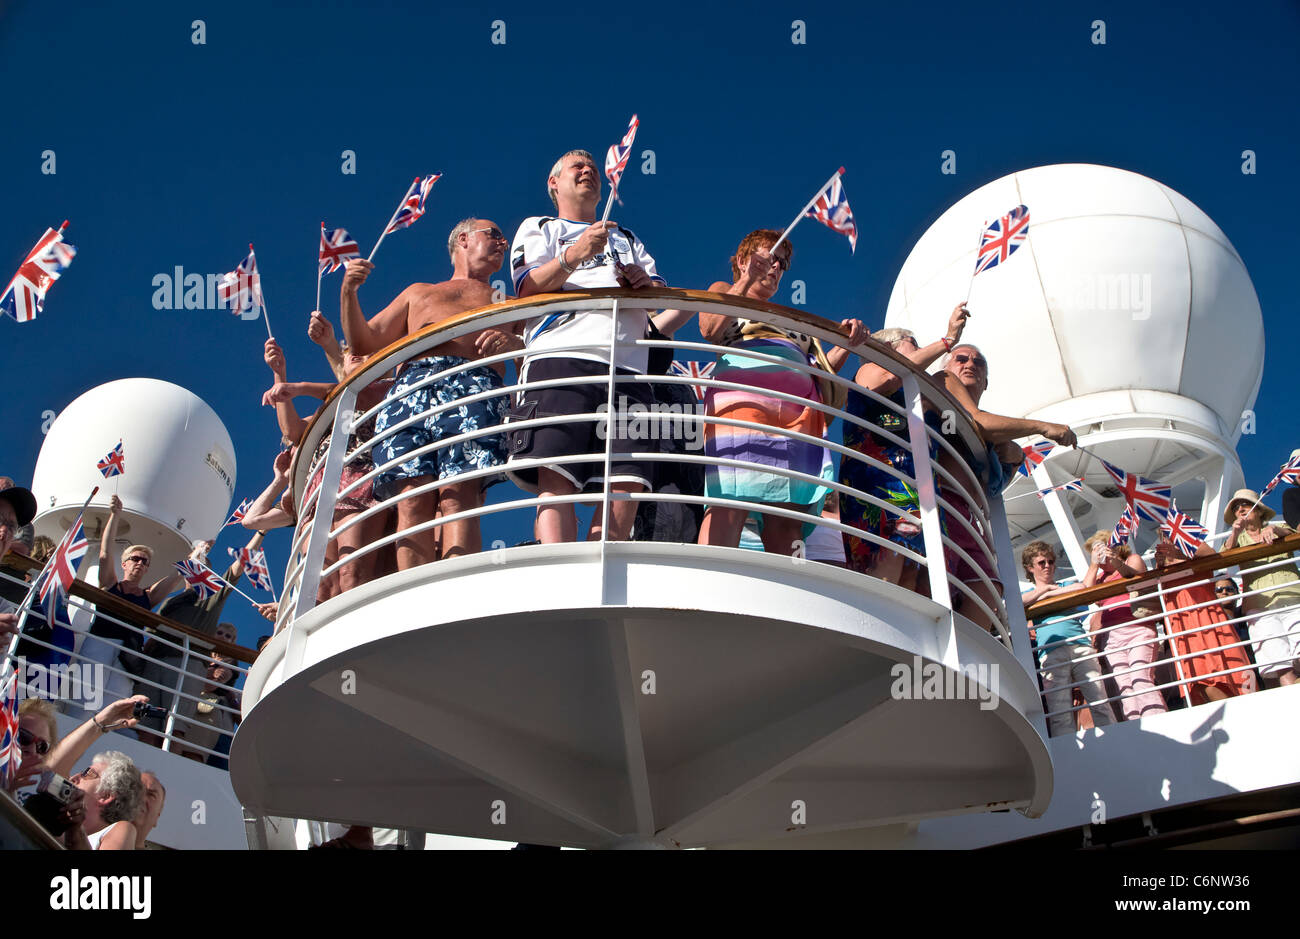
pixel 94 719
pixel 564 263
pixel 947 343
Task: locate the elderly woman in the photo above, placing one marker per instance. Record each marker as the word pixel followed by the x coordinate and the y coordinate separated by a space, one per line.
pixel 904 529
pixel 114 794
pixel 756 273
pixel 1275 631
pixel 1065 653
pixel 110 643
pixel 1129 648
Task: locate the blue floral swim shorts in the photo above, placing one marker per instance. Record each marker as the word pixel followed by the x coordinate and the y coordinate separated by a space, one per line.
pixel 477 453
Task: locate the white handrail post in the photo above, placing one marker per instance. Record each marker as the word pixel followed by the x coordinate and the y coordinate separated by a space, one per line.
pixel 931 530
pixel 322 520
pixel 170 726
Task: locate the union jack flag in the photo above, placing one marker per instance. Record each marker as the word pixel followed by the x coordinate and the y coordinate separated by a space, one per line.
pixel 832 210
pixel 413 205
pixel 24 298
pixel 695 370
pixel 1002 237
pixel 1074 485
pixel 11 753
pixel 1289 473
pixel 617 156
pixel 1183 531
pixel 114 464
pixel 237 516
pixel 241 289
pixel 336 246
pixel 205 582
pixel 1125 527
pixel 1146 496
pixel 1035 453
pixel 255 567
pixel 56 579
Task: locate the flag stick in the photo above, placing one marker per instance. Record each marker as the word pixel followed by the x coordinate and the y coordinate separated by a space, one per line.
pixel 978 241
pixel 800 217
pixel 383 234
pixel 318 270
pixel 31 591
pixel 613 194
pixel 261 294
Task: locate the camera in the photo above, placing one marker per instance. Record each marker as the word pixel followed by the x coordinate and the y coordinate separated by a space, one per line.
pixel 52 795
pixel 143 710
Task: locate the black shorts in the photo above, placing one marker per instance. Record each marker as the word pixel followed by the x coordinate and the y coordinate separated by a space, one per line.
pixel 570 438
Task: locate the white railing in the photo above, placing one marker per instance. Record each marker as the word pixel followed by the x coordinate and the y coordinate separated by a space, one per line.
pixel 100 675
pixel 1165 640
pixel 339 419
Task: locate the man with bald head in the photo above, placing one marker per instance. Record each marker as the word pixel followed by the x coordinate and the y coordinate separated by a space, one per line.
pixel 477 248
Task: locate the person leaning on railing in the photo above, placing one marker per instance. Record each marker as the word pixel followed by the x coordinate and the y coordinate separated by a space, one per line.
pixel 110 643
pixel 1065 652
pixel 966 377
pixel 862 555
pixel 1129 649
pixel 1197 627
pixel 757 273
pixel 1275 630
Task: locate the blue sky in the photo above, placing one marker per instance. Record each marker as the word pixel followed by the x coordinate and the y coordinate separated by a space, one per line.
pixel 170 153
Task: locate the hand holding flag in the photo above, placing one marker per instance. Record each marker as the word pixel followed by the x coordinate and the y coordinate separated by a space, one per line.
pixel 1183 531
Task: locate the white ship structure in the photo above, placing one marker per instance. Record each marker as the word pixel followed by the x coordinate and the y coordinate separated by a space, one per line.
pixel 607 694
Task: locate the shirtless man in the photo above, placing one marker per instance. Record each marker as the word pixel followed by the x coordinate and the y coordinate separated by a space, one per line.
pixel 477 248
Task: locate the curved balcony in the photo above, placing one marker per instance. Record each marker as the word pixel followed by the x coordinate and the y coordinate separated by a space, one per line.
pixel 607 692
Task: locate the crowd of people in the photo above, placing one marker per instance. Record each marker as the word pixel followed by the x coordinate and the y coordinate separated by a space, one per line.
pixel 445 426
pixel 1195 639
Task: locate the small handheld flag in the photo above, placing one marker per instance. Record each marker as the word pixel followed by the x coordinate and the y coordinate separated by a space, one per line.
pixel 1125 527
pixel 11 753
pixel 237 516
pixel 1002 237
pixel 1074 485
pixel 1035 453
pixel 255 567
pixel 616 162
pixel 204 581
pixel 830 207
pixel 1145 496
pixel 1289 473
pixel 241 290
pixel 114 463
pixel 1183 531
pixel 409 209
pixel 24 298
pixel 336 246
pixel 55 581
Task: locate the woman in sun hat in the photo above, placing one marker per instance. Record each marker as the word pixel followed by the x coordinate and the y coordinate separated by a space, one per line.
pixel 1275 633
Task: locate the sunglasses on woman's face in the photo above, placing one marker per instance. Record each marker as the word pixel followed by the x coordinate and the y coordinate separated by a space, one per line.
pixel 28 739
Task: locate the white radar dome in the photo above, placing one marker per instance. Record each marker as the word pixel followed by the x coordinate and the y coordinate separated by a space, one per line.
pixel 1126 303
pixel 179 462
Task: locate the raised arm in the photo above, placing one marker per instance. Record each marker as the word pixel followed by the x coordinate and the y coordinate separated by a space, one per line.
pixel 883 382
pixel 386 327
pixel 840 354
pixel 757 266
pixel 998 428
pixel 160 590
pixel 73 747
pixel 321 332
pixel 291 425
pixel 107 562
pixel 264 513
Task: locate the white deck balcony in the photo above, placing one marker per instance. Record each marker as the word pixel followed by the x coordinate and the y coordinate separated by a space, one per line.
pixel 605 692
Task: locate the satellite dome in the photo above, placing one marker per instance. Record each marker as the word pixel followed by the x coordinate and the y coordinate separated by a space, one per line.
pixel 179 462
pixel 1126 300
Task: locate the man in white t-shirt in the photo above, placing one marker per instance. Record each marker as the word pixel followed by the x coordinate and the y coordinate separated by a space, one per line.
pixel 574 251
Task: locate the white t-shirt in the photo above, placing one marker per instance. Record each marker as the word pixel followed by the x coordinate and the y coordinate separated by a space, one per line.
pixel 540 240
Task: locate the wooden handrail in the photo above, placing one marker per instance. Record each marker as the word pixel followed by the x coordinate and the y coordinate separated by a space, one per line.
pixel 134 614
pixel 1234 556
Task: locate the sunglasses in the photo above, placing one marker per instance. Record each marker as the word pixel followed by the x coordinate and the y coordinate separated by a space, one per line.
pixel 494 234
pixel 28 739
pixel 137 559
pixel 962 358
pixel 1223 590
pixel 90 773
